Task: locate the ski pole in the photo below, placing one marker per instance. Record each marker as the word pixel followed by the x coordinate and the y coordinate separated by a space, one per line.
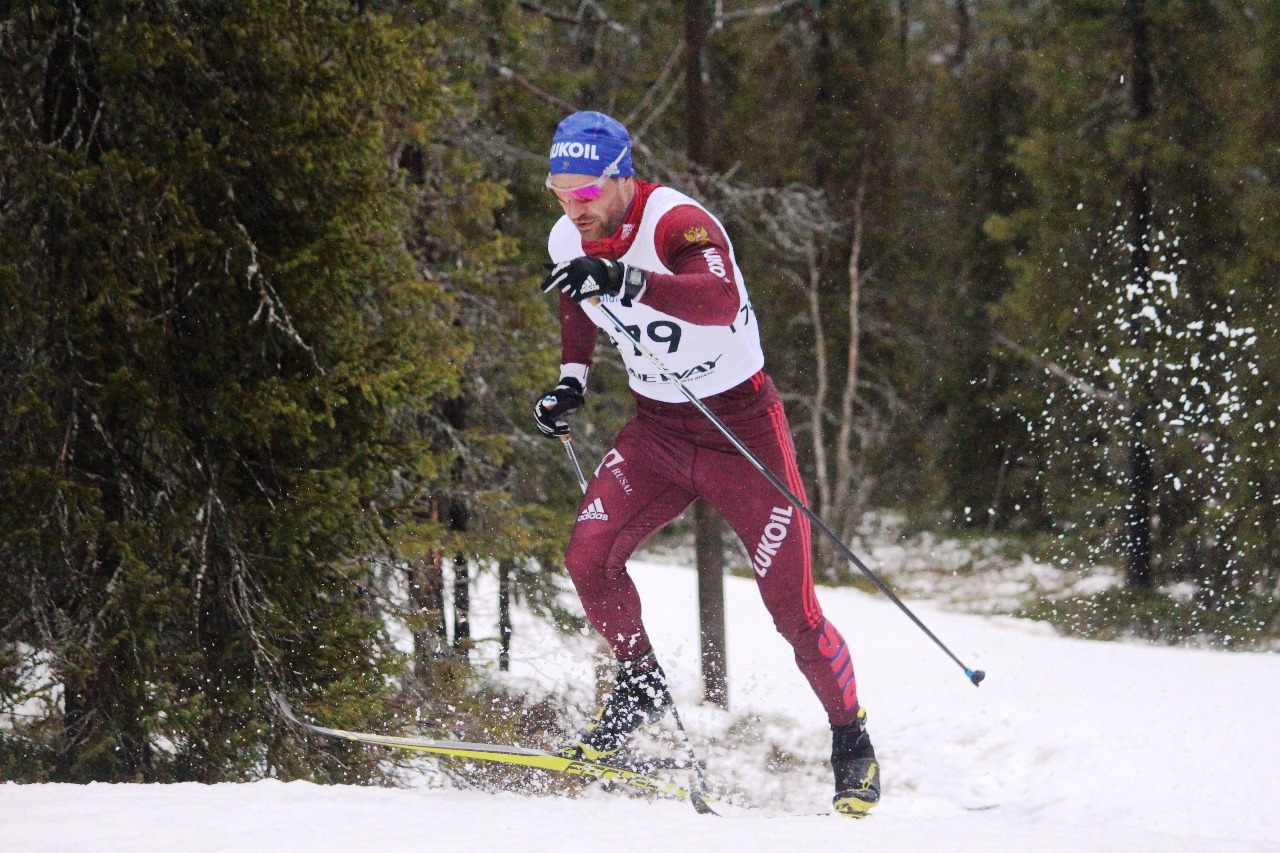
pixel 573 457
pixel 699 783
pixel 974 675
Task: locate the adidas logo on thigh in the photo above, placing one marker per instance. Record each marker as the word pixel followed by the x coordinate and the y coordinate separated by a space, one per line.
pixel 594 512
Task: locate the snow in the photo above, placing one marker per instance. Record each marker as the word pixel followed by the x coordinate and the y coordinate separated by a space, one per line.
pixel 1068 745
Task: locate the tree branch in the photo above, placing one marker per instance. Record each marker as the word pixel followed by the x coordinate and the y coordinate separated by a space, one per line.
pixel 549 14
pixel 602 17
pixel 1117 401
pixel 1058 371
pixel 754 12
pixel 667 68
pixel 523 82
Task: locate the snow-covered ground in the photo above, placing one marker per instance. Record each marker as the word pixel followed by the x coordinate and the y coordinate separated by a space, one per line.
pixel 1068 746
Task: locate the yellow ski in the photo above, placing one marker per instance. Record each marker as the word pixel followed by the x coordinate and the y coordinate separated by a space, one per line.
pixel 502 754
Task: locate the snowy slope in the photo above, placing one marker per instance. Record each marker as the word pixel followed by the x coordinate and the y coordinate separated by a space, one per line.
pixel 1068 746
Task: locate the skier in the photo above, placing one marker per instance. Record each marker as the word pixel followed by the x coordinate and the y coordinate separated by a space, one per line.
pixel 665 267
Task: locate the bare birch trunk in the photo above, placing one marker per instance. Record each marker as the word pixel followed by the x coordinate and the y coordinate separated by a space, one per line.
pixel 846 498
pixel 836 472
pixel 818 411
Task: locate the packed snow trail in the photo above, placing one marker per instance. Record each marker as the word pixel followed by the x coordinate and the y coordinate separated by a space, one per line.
pixel 1067 746
pixel 299 817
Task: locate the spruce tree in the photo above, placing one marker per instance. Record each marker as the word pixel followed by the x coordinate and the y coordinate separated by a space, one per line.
pixel 1133 340
pixel 214 329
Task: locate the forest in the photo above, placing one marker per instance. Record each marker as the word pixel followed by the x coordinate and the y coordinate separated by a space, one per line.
pixel 272 332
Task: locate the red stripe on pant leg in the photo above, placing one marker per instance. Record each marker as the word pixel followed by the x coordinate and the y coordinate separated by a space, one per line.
pixel 813 611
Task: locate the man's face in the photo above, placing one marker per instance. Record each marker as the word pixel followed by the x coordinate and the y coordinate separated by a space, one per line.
pixel 601 216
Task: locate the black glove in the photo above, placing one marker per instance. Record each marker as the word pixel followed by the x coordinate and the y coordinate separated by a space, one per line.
pixel 587 277
pixel 551 406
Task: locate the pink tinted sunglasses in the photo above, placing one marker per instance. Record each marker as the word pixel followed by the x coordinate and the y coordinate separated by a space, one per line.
pixel 587 192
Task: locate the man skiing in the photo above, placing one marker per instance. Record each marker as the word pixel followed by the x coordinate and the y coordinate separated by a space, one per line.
pixel 665 267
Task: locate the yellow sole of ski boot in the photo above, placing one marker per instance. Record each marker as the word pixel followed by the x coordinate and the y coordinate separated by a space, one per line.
pixel 852 807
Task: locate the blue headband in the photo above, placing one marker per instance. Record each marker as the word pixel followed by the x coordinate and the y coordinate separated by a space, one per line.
pixel 587 143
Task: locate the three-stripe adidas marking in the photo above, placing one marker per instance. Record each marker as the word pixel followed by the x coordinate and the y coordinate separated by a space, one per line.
pixel 594 511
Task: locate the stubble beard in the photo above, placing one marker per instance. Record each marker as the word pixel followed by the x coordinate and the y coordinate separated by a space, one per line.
pixel 601 229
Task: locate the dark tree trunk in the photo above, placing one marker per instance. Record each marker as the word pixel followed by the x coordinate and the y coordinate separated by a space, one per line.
pixel 708 529
pixel 904 27
pixel 827 99
pixel 964 33
pixel 458 520
pixel 426 598
pixel 709 539
pixel 697 23
pixel 505 566
pixel 1138 522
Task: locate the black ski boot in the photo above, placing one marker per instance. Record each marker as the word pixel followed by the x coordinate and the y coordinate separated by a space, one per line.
pixel 639 697
pixel 856 769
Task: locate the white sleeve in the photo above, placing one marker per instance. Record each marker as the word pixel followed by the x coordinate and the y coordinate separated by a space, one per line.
pixel 576 371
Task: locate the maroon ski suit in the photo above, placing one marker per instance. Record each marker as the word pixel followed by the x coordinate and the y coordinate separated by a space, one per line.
pixel 670 453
